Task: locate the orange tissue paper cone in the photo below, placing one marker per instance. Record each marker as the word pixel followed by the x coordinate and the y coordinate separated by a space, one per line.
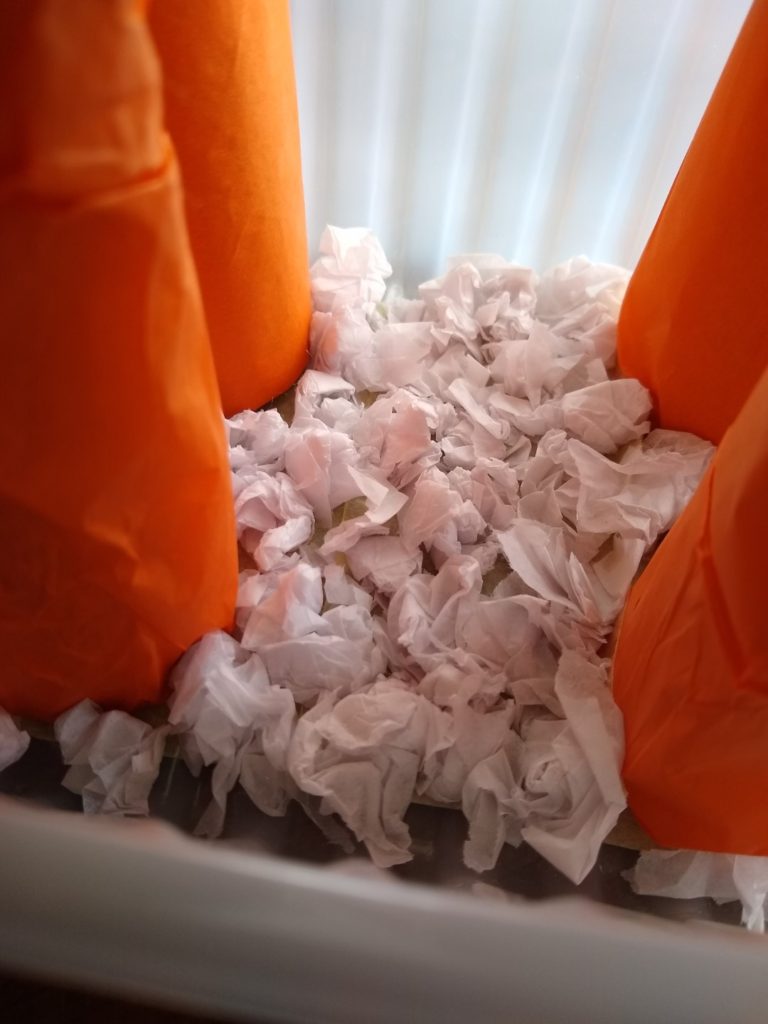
pixel 691 661
pixel 231 111
pixel 694 322
pixel 116 520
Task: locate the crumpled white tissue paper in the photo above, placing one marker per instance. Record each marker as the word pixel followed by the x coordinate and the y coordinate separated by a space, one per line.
pixel 558 786
pixel 687 874
pixel 364 754
pixel 13 741
pixel 444 642
pixel 114 758
pixel 439 544
pixel 229 715
pixel 352 269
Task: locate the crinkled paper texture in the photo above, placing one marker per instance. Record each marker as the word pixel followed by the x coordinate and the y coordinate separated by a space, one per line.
pixel 113 757
pixel 13 741
pixel 434 551
pixel 687 874
pixel 229 716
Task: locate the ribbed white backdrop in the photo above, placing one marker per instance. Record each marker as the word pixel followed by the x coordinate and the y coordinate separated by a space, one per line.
pixel 535 128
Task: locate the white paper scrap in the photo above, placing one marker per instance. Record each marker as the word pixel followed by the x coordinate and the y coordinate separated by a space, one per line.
pixel 686 874
pixel 363 756
pixel 228 715
pixel 442 638
pixel 13 741
pixel 114 758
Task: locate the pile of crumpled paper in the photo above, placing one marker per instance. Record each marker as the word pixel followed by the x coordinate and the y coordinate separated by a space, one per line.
pixel 436 544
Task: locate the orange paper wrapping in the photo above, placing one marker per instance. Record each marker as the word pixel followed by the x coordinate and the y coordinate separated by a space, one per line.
pixel 116 521
pixel 694 322
pixel 691 661
pixel 231 110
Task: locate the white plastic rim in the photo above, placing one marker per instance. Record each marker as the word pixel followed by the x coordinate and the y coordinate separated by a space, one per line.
pixel 140 910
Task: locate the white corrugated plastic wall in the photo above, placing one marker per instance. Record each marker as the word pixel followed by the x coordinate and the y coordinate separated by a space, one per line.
pixel 535 128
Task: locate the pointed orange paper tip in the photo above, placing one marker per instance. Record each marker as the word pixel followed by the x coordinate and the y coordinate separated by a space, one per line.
pixel 694 322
